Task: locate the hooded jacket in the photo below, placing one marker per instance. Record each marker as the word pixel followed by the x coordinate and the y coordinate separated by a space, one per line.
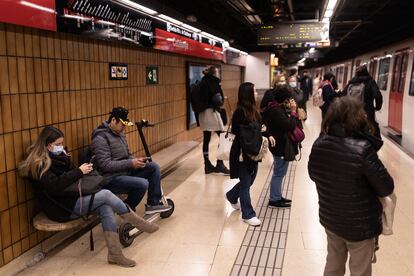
pixel 112 156
pixel 372 93
pixel 349 179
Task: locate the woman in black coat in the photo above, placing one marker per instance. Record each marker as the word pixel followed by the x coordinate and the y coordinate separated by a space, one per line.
pixel 349 179
pixel 241 166
pixel 280 117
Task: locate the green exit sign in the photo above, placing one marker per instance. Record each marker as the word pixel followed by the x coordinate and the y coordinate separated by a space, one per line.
pixel 152 75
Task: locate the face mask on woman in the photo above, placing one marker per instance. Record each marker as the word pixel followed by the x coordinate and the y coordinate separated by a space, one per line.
pixel 292 84
pixel 57 150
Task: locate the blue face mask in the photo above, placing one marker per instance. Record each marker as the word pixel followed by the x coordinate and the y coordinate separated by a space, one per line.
pixel 57 150
pixel 293 84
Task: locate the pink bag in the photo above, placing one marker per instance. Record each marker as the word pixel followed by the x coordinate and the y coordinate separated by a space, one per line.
pixel 297 135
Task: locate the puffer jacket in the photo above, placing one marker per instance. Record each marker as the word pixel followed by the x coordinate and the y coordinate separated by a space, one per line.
pixel 112 156
pixel 211 86
pixel 349 179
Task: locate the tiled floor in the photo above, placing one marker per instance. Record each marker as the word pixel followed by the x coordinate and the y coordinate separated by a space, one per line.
pixel 204 235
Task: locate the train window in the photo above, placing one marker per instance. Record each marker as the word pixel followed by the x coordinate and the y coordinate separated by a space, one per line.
pixel 384 69
pixel 395 73
pixel 341 74
pixel 403 71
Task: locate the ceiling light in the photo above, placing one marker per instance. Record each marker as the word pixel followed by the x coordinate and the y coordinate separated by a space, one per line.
pixel 138 7
pixel 170 19
pixel 331 4
pixel 146 34
pixel 104 22
pixel 302 60
pixel 328 13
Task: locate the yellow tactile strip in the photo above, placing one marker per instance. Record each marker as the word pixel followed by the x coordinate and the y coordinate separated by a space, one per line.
pixel 263 247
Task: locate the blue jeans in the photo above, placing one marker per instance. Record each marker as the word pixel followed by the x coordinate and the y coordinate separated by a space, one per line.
pixel 137 183
pixel 104 204
pixel 280 167
pixel 242 190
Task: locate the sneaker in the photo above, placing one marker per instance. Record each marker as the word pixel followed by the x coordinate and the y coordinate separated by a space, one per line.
pixel 286 200
pixel 220 168
pixel 278 204
pixel 235 206
pixel 154 209
pixel 254 221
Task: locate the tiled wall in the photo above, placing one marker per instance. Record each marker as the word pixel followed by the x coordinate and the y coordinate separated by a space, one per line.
pixel 63 80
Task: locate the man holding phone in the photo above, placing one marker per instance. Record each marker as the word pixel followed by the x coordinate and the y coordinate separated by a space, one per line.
pixel 123 173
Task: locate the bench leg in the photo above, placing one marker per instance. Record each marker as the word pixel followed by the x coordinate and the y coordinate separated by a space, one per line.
pixel 91 242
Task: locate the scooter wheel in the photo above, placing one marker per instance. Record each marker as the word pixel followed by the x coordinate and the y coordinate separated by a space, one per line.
pixel 124 238
pixel 168 213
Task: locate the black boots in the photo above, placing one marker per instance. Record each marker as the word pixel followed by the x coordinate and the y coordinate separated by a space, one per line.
pixel 208 167
pixel 220 168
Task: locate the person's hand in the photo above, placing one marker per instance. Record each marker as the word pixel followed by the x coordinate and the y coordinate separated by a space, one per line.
pixel 86 168
pixel 272 141
pixel 138 163
pixel 293 105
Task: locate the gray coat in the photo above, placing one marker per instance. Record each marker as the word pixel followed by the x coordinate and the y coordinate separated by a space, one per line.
pixel 112 156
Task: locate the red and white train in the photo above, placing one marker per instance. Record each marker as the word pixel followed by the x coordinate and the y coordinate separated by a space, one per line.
pixel 392 68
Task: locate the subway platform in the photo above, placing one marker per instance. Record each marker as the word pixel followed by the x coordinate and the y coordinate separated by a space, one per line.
pixel 206 236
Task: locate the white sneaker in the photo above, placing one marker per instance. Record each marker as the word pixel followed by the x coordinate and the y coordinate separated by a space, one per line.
pixel 254 221
pixel 235 206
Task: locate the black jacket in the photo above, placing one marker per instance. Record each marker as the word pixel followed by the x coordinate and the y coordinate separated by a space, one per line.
pixel 278 123
pixel 349 179
pixel 237 120
pixel 210 85
pixel 328 95
pixel 50 188
pixel 372 93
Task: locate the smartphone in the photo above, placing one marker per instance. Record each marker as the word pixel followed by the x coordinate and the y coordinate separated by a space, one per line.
pixel 92 159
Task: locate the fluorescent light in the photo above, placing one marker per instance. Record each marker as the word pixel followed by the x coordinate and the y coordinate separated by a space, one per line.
pixel 388 56
pixel 170 19
pixel 37 7
pixel 138 7
pixel 302 60
pixel 105 22
pixel 331 4
pixel 146 34
pixel 78 17
pixel 328 13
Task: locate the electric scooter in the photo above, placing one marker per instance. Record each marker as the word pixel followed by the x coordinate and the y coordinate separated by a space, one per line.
pixel 127 232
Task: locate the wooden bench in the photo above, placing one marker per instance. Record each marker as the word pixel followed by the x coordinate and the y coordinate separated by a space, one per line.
pixel 167 158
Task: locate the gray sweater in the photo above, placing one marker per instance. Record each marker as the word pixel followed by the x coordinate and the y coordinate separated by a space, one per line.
pixel 112 156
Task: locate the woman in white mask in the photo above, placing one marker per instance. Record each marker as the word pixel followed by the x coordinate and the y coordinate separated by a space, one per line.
pixel 298 96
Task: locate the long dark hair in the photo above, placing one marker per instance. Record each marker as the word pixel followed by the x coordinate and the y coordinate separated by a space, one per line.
pixel 350 114
pixel 247 102
pixel 38 160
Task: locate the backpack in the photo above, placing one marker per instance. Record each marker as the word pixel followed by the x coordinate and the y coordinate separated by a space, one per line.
pixel 198 98
pixel 357 90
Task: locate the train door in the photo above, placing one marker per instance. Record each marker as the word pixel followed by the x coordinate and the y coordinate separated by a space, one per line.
pixel 399 73
pixel 345 76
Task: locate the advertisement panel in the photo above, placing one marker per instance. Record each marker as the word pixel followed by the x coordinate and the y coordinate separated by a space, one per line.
pixel 32 13
pixel 171 42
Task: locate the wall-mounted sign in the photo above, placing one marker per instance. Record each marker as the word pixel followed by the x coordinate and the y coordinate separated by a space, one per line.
pixel 105 19
pixel 152 75
pixel 175 43
pixel 118 71
pixel 297 32
pixel 34 13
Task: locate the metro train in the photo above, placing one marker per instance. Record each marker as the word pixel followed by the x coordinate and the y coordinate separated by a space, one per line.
pixel 392 68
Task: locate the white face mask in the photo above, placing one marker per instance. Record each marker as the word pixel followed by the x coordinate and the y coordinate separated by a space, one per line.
pixel 292 84
pixel 57 150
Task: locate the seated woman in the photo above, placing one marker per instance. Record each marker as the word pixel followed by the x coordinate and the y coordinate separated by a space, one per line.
pixel 50 169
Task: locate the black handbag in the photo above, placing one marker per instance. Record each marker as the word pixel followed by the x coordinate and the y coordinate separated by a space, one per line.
pixel 251 138
pixel 291 150
pixel 88 184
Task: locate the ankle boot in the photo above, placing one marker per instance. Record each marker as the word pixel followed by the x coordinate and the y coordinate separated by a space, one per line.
pixel 208 167
pixel 221 168
pixel 140 223
pixel 115 255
